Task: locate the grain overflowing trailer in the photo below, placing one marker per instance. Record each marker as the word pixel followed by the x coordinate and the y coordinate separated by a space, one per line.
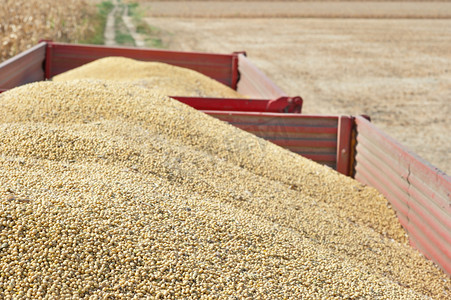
pixel 419 192
pixel 48 59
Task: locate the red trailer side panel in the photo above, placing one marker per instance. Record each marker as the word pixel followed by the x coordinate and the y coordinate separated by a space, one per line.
pixel 314 137
pixel 281 105
pixel 23 68
pixel 420 193
pixel 234 70
pixel 220 67
pixel 254 83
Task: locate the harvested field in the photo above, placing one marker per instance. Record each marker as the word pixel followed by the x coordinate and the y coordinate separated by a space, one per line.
pixel 110 189
pixel 25 22
pixel 298 9
pixel 398 71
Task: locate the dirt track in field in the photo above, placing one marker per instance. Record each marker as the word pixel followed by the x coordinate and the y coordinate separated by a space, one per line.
pixel 398 71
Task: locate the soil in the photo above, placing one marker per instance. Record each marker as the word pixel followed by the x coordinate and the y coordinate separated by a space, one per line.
pixel 397 71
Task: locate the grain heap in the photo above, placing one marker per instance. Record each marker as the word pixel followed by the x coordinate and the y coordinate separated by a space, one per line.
pixel 109 189
pixel 168 79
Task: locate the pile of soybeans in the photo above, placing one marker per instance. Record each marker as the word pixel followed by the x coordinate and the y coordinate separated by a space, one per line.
pixel 109 190
pixel 168 79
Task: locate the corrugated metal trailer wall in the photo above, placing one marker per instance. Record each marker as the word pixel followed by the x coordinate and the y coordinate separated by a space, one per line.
pixel 418 192
pixel 254 83
pixel 61 57
pixel 314 137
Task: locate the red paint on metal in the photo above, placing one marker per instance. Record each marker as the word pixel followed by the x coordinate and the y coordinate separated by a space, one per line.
pixel 321 158
pixel 240 104
pixel 436 232
pixel 254 83
pixel 420 242
pixel 419 192
pixel 432 183
pixel 291 129
pixel 399 176
pixel 312 120
pixel 434 207
pixel 216 66
pixel 61 57
pixel 404 222
pixel 48 61
pixel 23 68
pixel 407 181
pixel 345 125
pixel 413 210
pixel 390 178
pixel 286 143
pixel 410 223
pixel 279 105
pixel 412 202
pixel 235 72
pixel 314 137
pixel 429 173
pixel 365 170
pixel 376 151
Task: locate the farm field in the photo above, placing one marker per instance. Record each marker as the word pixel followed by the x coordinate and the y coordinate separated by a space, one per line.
pixel 315 9
pixel 396 70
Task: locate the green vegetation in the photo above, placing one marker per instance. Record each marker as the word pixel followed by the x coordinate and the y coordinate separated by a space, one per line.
pixel 152 35
pixel 99 22
pixel 134 11
pixel 122 35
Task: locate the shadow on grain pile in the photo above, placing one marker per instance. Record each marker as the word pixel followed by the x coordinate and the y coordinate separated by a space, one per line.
pixel 132 193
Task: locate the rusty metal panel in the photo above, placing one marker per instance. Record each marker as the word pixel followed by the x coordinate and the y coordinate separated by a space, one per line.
pixel 254 83
pixel 314 137
pixel 419 192
pixel 221 67
pixel 23 68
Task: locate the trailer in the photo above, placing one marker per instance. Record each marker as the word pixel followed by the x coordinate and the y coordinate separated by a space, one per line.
pixel 48 59
pixel 419 192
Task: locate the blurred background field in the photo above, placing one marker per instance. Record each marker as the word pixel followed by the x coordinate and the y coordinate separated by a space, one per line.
pixel 299 9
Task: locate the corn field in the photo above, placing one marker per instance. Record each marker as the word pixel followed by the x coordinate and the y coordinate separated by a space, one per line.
pixel 25 22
